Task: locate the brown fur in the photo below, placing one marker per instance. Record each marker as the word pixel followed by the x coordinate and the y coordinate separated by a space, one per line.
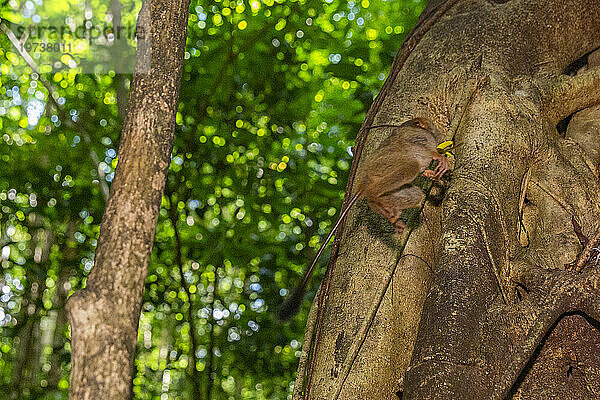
pixel 404 155
pixel 386 184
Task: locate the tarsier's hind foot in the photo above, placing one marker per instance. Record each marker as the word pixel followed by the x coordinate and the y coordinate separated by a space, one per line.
pixel 396 220
pixel 392 204
pixel 399 226
pixel 388 209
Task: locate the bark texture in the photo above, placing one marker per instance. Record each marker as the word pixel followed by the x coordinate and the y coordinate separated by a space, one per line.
pixel 479 304
pixel 104 316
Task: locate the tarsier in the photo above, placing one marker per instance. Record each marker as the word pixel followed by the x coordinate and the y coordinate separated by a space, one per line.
pixel 385 182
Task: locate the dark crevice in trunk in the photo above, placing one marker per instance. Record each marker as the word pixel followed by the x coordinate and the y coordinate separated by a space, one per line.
pixel 562 125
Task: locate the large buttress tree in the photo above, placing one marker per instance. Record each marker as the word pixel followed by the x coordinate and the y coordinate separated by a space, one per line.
pixel 496 293
pixel 104 316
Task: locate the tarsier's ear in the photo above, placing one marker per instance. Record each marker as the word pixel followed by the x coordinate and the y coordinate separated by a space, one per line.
pixel 419 123
pixel 415 122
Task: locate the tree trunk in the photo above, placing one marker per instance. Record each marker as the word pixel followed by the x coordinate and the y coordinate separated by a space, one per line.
pixel 477 302
pixel 104 316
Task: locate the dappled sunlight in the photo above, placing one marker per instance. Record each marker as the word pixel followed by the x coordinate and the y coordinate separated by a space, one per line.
pixel 272 96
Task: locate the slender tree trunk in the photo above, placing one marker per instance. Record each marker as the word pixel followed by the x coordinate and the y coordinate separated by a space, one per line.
pixel 22 366
pixel 476 302
pixel 104 316
pixel 210 363
pixel 58 334
pixel 194 374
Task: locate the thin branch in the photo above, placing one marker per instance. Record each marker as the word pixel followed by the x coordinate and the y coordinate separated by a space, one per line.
pixel 52 96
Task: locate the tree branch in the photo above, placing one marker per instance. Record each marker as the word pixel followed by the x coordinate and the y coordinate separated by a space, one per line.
pixel 566 95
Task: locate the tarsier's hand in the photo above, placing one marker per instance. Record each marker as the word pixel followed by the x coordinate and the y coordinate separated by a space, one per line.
pixel 441 168
pixel 439 171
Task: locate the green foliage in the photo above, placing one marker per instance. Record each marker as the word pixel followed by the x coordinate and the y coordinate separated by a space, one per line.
pixel 272 96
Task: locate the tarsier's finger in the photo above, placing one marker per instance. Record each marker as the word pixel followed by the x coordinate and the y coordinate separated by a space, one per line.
pixel 429 173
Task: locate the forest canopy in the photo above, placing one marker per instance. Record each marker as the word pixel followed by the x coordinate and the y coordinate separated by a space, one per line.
pixel 272 96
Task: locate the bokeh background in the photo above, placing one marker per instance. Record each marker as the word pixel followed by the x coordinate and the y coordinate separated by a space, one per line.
pixel 272 96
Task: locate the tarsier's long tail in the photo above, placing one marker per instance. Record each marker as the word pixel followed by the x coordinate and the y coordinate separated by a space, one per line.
pixel 291 305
